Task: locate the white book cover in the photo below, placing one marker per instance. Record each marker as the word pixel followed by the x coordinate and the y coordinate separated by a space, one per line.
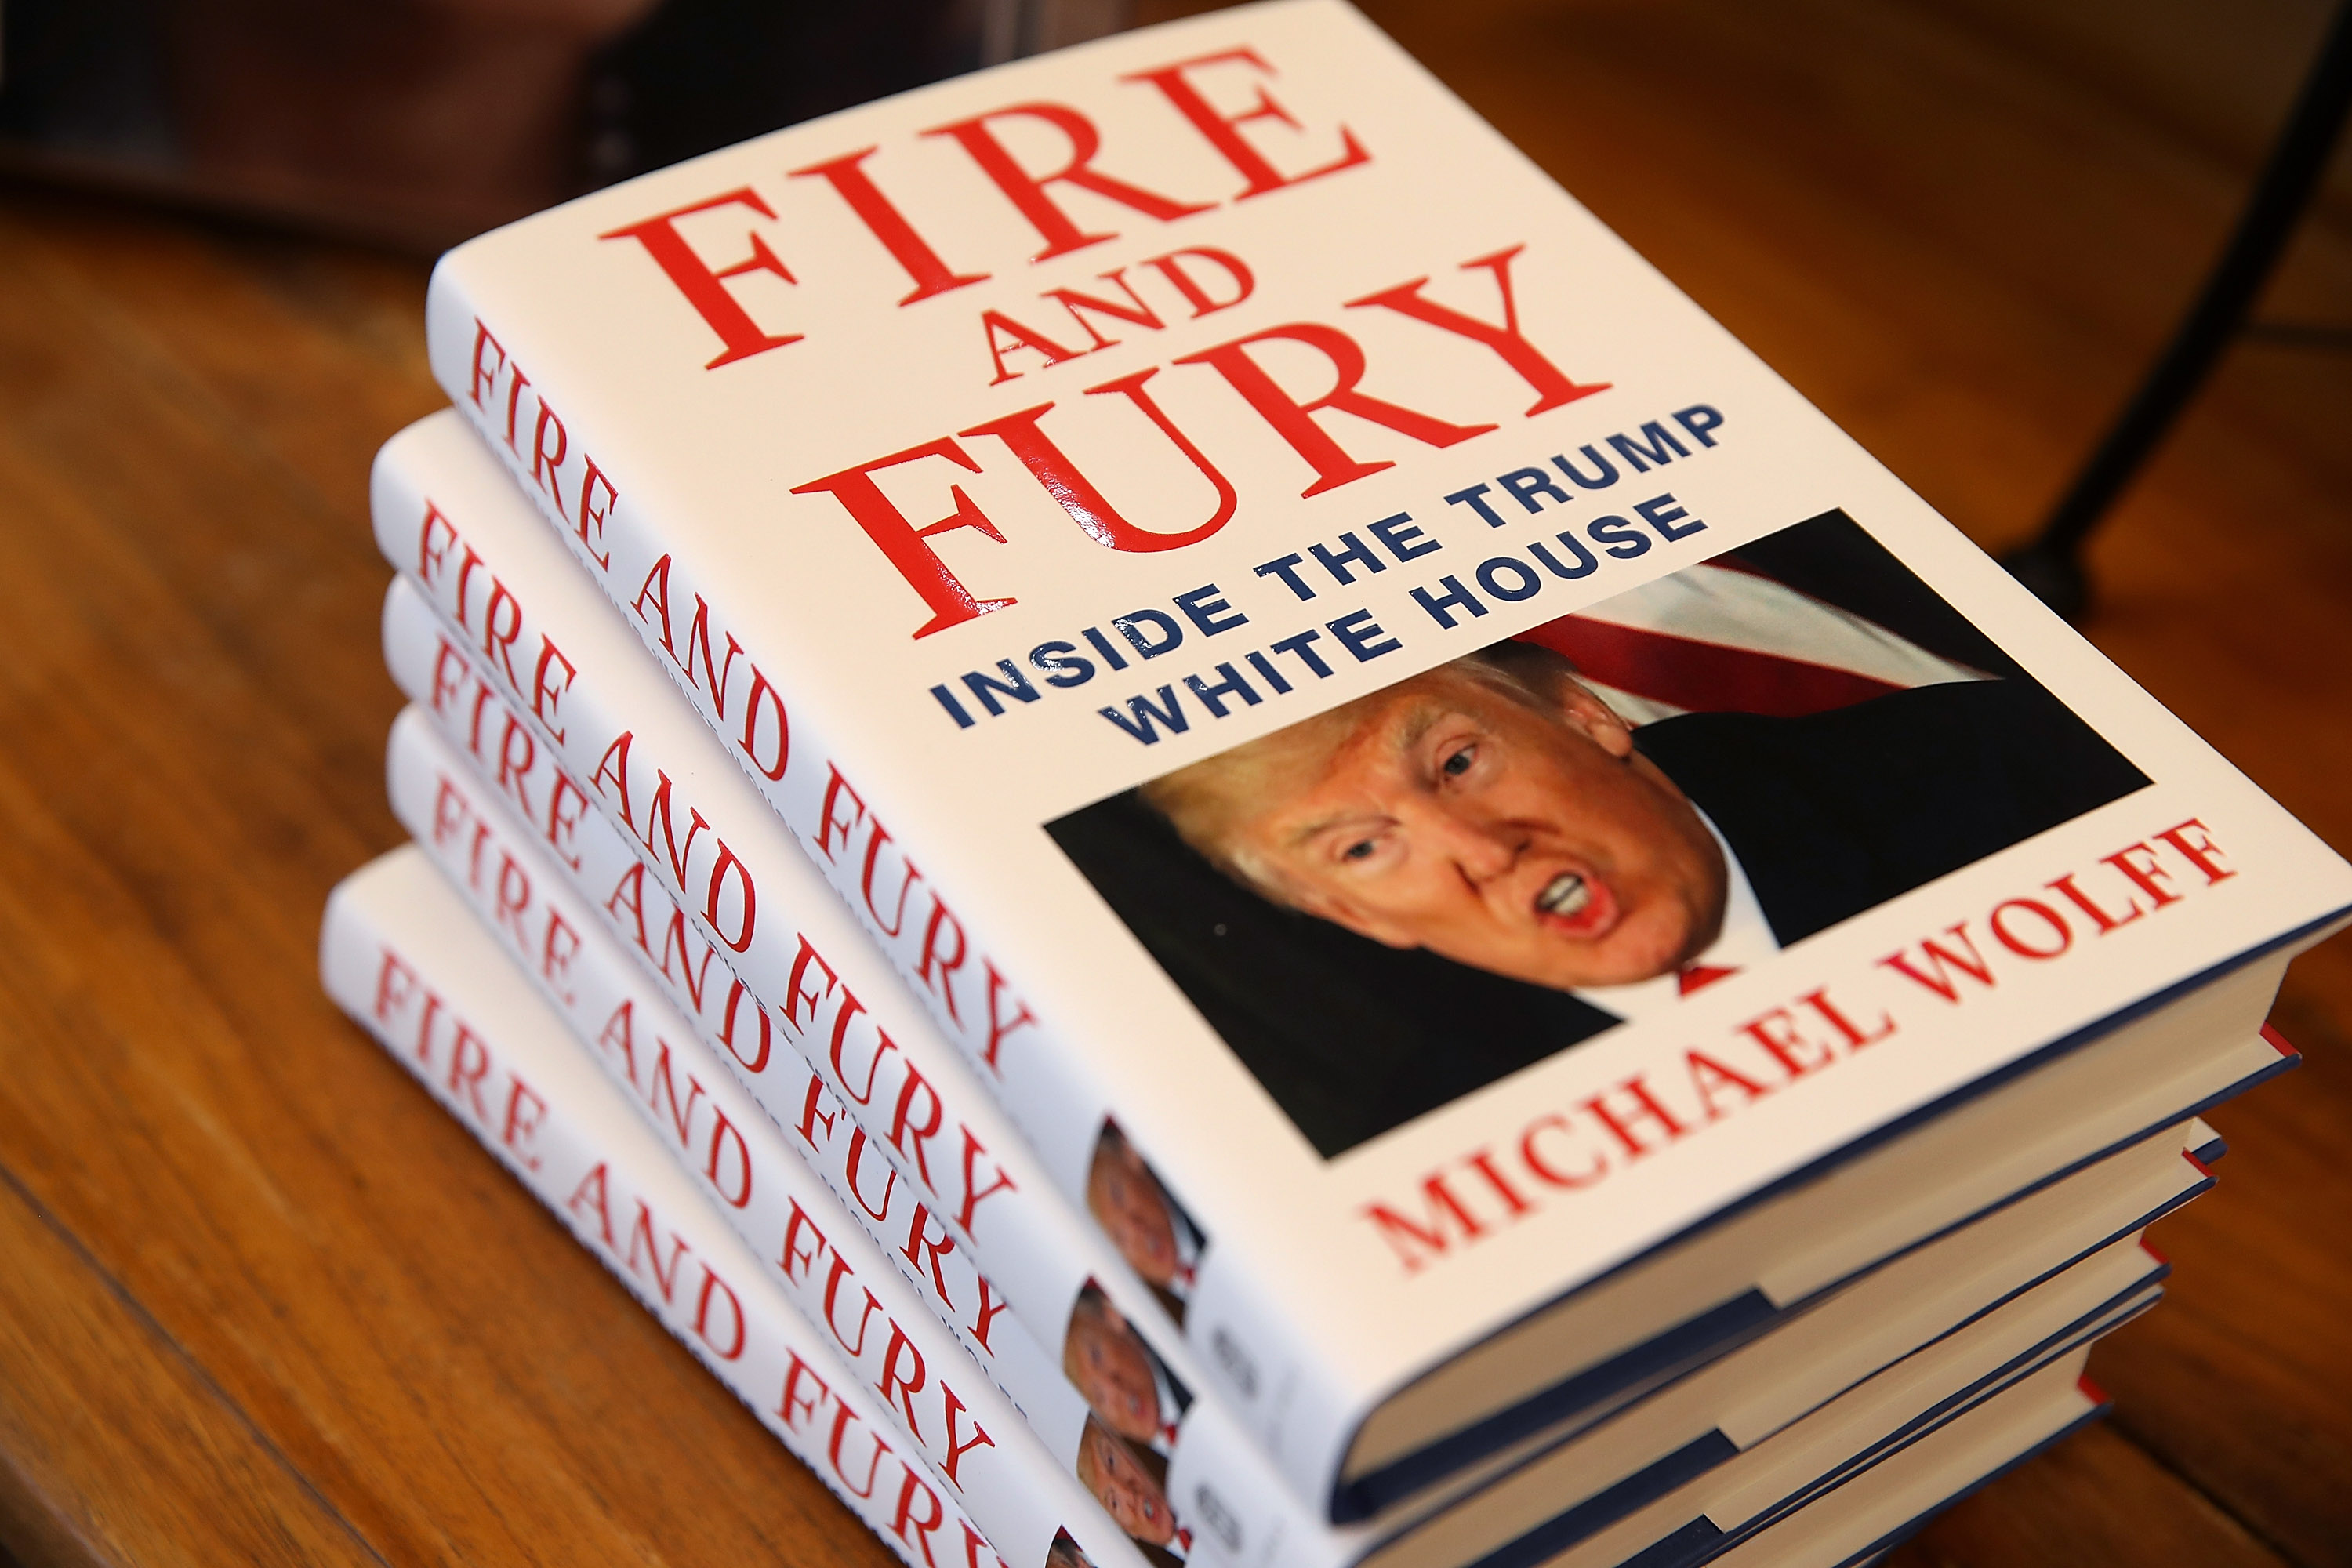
pixel 1123 508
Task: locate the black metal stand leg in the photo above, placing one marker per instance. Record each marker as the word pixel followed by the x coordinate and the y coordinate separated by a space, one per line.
pixel 2052 563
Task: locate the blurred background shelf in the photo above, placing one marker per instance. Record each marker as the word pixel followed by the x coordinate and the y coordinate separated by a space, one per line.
pixel 260 1300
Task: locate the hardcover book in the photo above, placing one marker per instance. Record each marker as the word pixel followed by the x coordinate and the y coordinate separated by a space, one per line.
pixel 399 953
pixel 828 1218
pixel 644 765
pixel 680 1064
pixel 1420 774
pixel 656 818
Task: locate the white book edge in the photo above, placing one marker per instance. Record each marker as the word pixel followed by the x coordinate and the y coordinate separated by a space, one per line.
pixel 474 746
pixel 404 956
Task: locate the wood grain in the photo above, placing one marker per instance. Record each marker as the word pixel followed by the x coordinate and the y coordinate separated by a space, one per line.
pixel 222 1488
pixel 262 1301
pixel 2093 1499
pixel 195 721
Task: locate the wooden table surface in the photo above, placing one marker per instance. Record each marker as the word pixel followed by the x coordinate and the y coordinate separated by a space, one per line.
pixel 260 1300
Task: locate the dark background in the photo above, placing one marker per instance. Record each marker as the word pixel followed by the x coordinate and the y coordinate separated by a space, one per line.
pixel 418 122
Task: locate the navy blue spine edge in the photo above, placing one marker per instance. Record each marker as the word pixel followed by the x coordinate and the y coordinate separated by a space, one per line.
pixel 1357 1499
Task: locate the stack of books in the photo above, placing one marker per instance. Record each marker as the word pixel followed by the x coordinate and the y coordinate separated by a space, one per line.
pixel 1204 840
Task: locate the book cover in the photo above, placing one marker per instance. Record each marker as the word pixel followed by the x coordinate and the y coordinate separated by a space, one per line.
pixel 581 734
pixel 1119 506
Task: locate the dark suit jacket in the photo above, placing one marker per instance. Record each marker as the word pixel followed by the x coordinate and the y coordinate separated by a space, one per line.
pixel 1829 815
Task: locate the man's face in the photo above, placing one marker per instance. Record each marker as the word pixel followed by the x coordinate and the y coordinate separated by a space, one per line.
pixel 1535 844
pixel 1127 1492
pixel 1128 1202
pixel 1113 1375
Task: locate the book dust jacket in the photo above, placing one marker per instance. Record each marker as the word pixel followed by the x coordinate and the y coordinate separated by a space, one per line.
pixel 1417 768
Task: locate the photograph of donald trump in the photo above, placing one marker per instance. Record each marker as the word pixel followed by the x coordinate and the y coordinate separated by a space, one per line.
pixel 1395 901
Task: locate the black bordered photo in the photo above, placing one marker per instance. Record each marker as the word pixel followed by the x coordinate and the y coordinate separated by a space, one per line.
pixel 1393 903
pixel 1154 1233
pixel 1137 1407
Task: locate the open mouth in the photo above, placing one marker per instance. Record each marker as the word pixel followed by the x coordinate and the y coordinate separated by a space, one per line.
pixel 1565 896
pixel 1577 905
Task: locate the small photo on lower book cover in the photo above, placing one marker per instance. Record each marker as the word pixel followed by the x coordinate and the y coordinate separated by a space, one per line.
pixel 1153 1232
pixel 1131 1484
pixel 1397 901
pixel 1122 1379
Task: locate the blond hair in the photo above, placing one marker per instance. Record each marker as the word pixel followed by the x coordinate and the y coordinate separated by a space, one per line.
pixel 1209 801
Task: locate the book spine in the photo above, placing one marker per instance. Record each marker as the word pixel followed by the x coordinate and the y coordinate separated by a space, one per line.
pixel 1284 1377
pixel 385 962
pixel 463 785
pixel 825 1214
pixel 570 720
